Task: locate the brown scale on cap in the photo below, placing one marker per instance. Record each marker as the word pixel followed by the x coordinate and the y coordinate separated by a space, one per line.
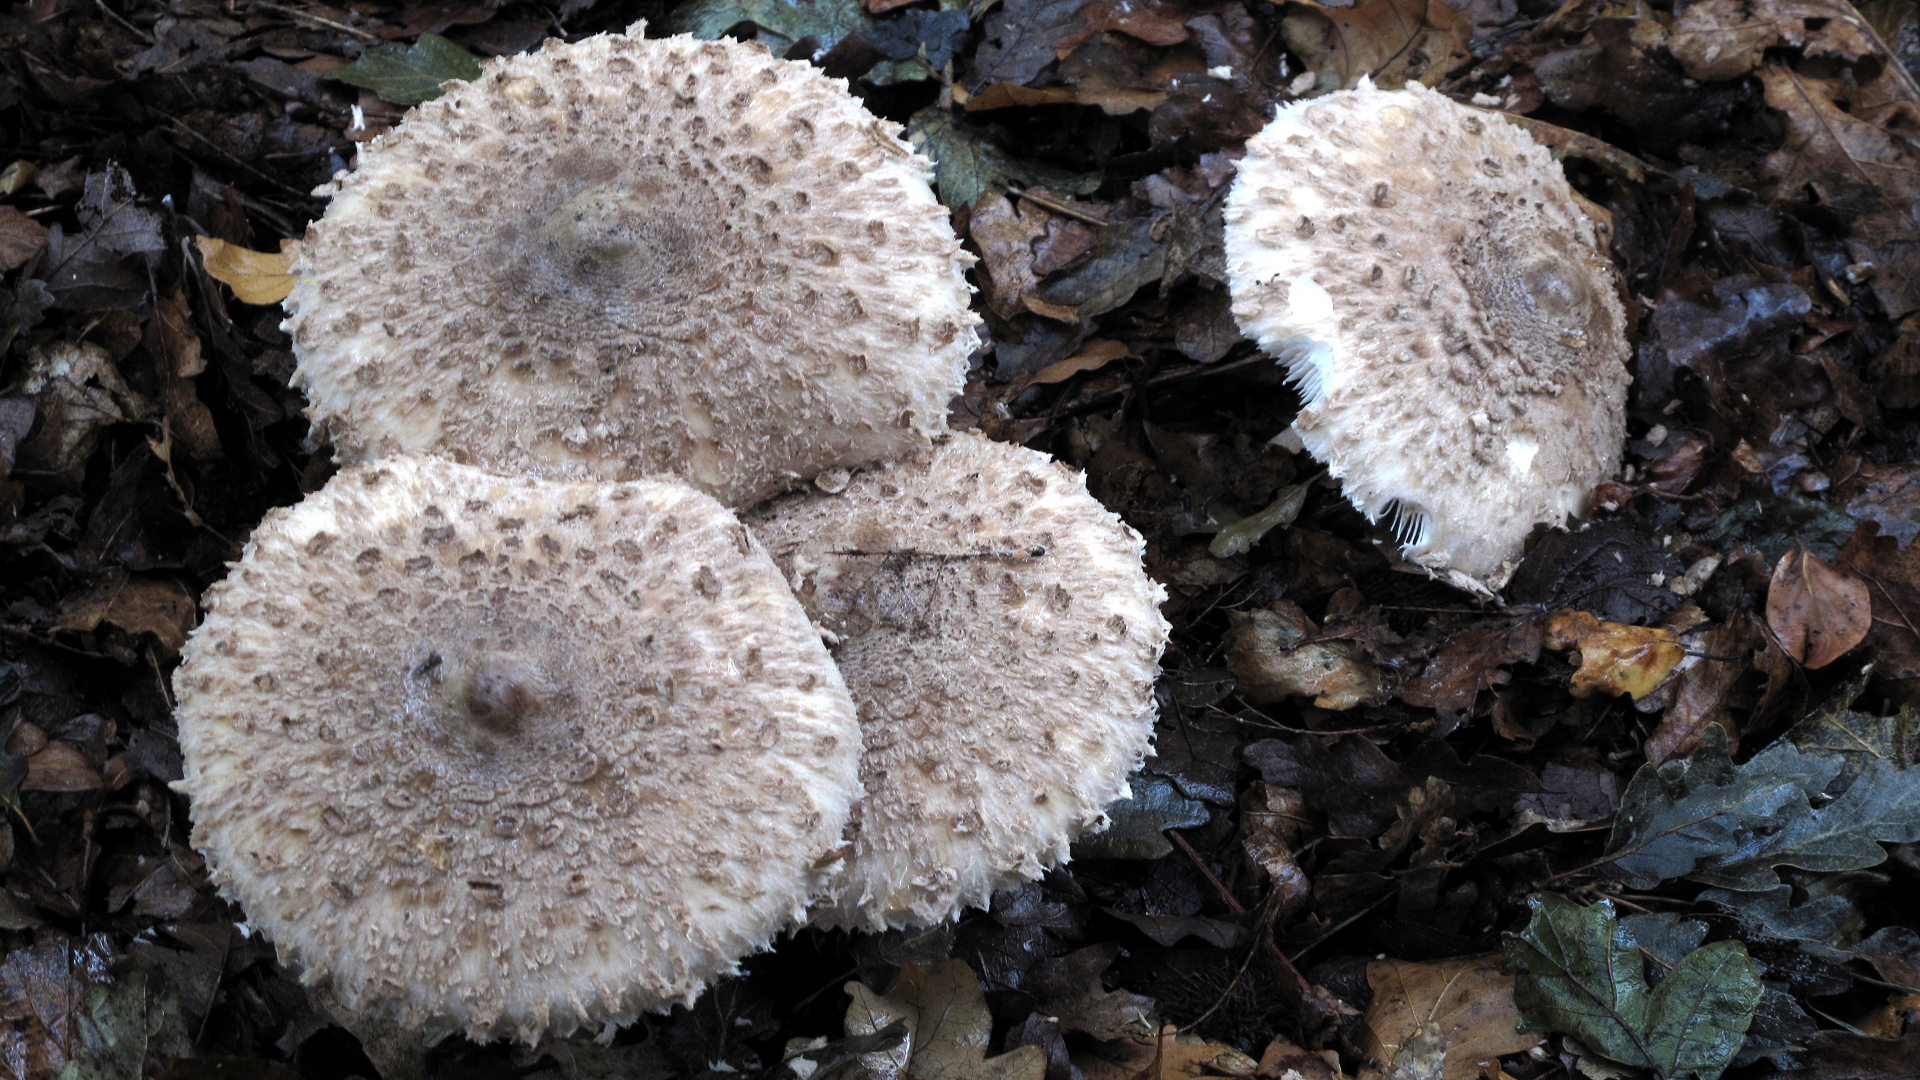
pixel 623 257
pixel 1444 306
pixel 511 755
pixel 997 630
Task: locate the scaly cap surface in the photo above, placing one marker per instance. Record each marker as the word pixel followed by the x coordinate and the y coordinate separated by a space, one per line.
pixel 512 755
pixel 1000 637
pixel 625 257
pixel 1444 308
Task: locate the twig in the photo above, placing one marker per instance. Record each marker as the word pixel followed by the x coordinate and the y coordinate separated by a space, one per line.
pixel 308 16
pixel 1049 203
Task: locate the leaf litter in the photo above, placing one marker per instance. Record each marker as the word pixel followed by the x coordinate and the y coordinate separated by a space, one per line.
pixel 1388 824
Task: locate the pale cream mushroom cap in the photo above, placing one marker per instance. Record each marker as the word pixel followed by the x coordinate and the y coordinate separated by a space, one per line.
pixel 510 755
pixel 1001 639
pixel 629 256
pixel 1446 311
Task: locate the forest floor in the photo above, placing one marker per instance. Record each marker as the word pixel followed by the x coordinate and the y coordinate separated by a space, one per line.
pixel 1387 823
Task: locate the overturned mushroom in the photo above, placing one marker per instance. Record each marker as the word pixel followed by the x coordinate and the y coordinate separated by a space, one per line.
pixel 510 755
pixel 1443 306
pixel 1000 637
pixel 623 257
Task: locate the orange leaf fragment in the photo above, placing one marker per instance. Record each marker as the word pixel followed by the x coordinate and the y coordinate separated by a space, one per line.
pixel 1614 658
pixel 1817 612
pixel 256 277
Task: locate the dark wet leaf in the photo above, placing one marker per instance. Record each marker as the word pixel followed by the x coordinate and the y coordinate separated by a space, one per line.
pixel 409 75
pixel 1140 822
pixel 1608 569
pixel 966 165
pixel 1730 826
pixel 1581 974
pixel 22 307
pixel 1842 1055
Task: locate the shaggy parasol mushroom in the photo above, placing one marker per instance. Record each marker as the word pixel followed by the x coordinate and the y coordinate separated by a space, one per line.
pixel 510 755
pixel 1001 639
pixel 1442 303
pixel 623 257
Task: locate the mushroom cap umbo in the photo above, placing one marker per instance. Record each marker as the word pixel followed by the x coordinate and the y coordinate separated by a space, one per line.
pixel 624 257
pixel 1000 637
pixel 512 755
pixel 1445 310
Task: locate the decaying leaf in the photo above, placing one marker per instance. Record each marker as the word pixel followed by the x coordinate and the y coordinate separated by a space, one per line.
pixel 78 392
pixel 409 75
pixel 21 238
pixel 1702 693
pixel 256 277
pixel 1095 354
pixel 947 1024
pixel 1449 1020
pixel 1578 974
pixel 1271 657
pixel 137 604
pixel 1140 822
pixel 1614 658
pixel 1394 42
pixel 1730 826
pixel 966 166
pixel 1818 613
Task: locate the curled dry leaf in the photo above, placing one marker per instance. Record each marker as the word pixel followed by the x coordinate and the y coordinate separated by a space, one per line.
pixel 1614 658
pixel 1817 612
pixel 256 277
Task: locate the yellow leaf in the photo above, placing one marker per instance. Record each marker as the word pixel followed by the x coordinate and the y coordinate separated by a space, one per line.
pixel 1614 658
pixel 256 277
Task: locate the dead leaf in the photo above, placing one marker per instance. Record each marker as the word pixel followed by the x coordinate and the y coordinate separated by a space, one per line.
pixel 1271 657
pixel 1473 660
pixel 1270 824
pixel 1002 95
pixel 1152 21
pixel 60 767
pixel 1450 1020
pixel 1889 496
pixel 1847 144
pixel 137 604
pixel 1096 353
pixel 1167 1055
pixel 1614 658
pixel 256 277
pixel 78 393
pixel 1393 41
pixel 175 344
pixel 21 238
pixel 1725 39
pixel 1006 231
pixel 1702 692
pixel 1818 613
pixel 948 1026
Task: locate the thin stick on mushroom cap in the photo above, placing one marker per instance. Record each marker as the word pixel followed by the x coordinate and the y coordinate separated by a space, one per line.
pixel 997 630
pixel 510 755
pixel 1444 307
pixel 622 257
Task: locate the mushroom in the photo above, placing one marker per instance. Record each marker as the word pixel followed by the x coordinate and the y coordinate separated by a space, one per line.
pixel 1001 639
pixel 511 755
pixel 1443 306
pixel 623 257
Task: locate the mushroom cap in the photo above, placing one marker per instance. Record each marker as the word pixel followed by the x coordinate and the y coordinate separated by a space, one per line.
pixel 512 755
pixel 624 257
pixel 1001 639
pixel 1444 307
